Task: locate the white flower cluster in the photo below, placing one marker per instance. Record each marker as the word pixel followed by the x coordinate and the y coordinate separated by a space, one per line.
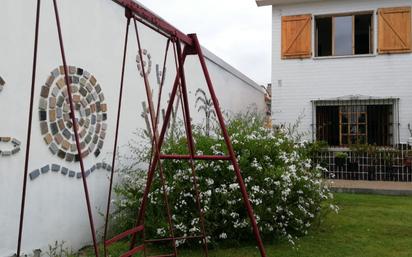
pixel 285 188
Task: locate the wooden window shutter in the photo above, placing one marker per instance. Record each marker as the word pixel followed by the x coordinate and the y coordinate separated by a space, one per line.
pixel 394 34
pixel 297 36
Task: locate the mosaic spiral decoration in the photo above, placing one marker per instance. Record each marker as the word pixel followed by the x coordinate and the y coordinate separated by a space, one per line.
pixel 90 112
pixel 2 83
pixel 12 149
pixel 56 168
pixel 147 63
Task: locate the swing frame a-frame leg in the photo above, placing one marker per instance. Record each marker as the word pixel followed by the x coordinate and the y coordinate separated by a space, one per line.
pixel 195 49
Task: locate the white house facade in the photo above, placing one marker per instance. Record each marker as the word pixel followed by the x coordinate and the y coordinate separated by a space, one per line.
pixel 93 32
pixel 344 68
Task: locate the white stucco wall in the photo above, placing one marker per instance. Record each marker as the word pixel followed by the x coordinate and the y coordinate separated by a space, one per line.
pixel 93 33
pixel 297 82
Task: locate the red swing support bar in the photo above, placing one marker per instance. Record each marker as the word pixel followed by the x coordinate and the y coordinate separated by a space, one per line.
pixel 192 47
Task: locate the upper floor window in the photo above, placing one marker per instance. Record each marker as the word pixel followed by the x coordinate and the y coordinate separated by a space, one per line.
pixel 347 34
pixel 342 35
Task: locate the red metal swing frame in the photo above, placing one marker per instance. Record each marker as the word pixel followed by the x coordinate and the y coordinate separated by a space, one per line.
pixel 138 13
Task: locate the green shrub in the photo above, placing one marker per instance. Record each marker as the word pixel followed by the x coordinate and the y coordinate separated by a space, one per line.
pixel 285 187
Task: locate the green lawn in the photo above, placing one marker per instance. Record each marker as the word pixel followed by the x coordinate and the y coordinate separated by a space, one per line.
pixel 366 226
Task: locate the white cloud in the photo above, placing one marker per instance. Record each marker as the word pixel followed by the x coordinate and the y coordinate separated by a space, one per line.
pixel 236 30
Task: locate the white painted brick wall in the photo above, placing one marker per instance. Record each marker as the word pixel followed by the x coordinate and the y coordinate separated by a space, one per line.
pixel 311 79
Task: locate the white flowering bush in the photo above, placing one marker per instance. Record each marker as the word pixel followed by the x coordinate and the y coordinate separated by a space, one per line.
pixel 285 187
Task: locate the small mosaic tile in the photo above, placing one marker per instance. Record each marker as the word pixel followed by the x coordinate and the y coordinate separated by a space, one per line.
pixel 93 80
pixel 42 103
pixel 45 169
pixel 69 157
pixel 53 148
pixel 54 128
pixel 15 141
pixel 44 127
pixel 64 171
pixel 98 88
pixel 85 153
pixel 72 174
pixel 55 73
pixel 75 80
pixel 65 145
pixel 89 87
pixel 49 81
pixel 58 139
pixel 6 153
pixel 61 154
pixel 2 83
pixel 44 91
pixel 48 138
pixel 86 74
pixel 34 174
pixel 42 115
pixel 52 102
pixel 61 124
pixel 55 91
pixel 55 168
pixel 59 113
pixel 15 150
pixel 97 153
pixel 52 116
pixel 72 69
pixel 67 134
pixel 5 139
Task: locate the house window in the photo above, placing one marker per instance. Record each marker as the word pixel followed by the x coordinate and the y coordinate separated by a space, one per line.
pixel 353 125
pixel 342 35
pixel 344 125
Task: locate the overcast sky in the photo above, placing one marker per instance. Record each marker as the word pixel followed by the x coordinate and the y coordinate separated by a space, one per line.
pixel 235 30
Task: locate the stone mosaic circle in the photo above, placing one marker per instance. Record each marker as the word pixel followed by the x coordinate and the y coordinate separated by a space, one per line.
pixel 90 112
pixel 14 146
pixel 2 83
pixel 147 63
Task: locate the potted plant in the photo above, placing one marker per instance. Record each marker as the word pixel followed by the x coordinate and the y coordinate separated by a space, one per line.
pixel 407 161
pixel 340 159
pixel 389 165
pixel 373 162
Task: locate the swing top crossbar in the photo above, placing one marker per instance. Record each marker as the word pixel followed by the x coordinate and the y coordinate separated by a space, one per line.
pixel 155 22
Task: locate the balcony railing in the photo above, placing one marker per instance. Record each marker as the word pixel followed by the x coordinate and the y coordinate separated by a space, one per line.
pixel 379 164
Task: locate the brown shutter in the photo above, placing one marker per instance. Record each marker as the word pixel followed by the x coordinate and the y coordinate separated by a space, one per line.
pixel 394 30
pixel 296 36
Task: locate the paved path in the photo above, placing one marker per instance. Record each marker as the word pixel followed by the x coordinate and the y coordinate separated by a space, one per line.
pixel 372 187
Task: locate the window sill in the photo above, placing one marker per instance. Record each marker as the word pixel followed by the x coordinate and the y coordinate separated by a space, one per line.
pixel 343 56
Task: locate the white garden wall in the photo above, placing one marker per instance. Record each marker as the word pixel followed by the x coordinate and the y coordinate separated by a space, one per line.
pixel 297 82
pixel 93 33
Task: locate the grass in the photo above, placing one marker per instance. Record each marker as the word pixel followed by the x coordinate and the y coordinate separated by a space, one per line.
pixel 366 226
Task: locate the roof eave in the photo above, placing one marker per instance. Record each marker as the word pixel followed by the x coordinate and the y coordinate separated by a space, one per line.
pixel 283 2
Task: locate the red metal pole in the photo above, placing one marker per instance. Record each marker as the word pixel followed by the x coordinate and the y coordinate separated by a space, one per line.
pixel 189 135
pixel 117 133
pixel 196 157
pixel 76 135
pixel 26 161
pixel 156 158
pixel 229 146
pixel 155 20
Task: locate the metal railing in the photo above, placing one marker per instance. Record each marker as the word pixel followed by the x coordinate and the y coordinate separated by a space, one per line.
pixel 379 164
